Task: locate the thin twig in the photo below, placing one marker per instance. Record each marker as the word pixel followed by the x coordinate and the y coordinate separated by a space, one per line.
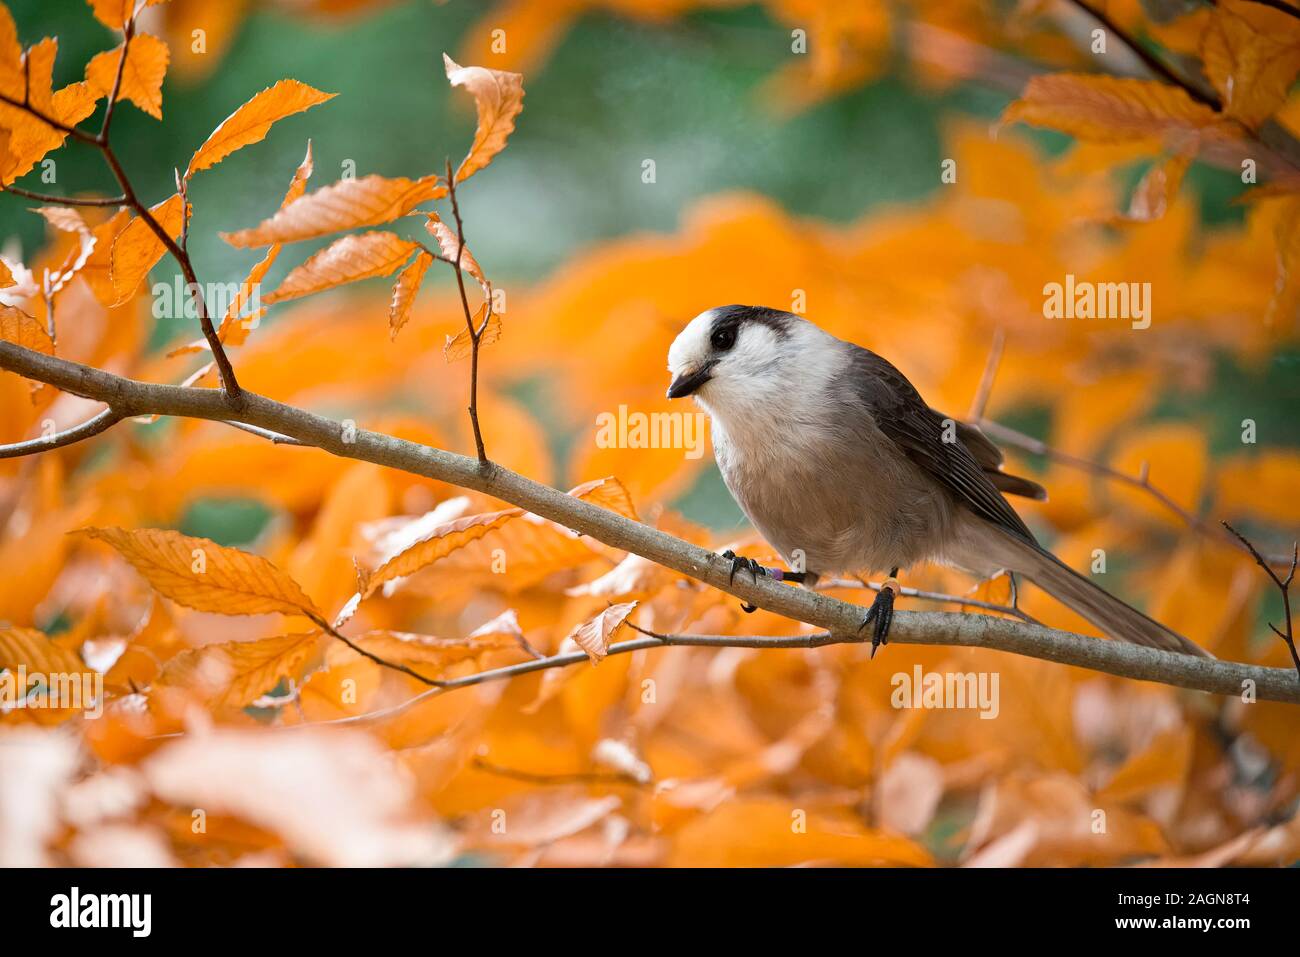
pixel 382 662
pixel 91 427
pixel 229 384
pixel 474 334
pixel 1008 436
pixel 273 437
pixel 985 388
pixel 830 584
pixel 1283 585
pixel 128 31
pixel 1152 62
pixel 52 200
pixel 64 128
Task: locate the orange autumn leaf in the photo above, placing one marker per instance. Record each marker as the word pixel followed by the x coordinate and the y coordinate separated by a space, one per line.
pixel 35 651
pixel 439 543
pixel 250 123
pixel 63 218
pixel 67 219
pixel 154 642
pixel 1251 54
pixel 498 98
pixel 608 493
pixel 1108 109
pixel 343 261
pixel 31 138
pixel 633 576
pixel 142 74
pixel 593 636
pixel 6 276
pixel 460 345
pixel 205 576
pixel 1264 485
pixel 452 251
pixel 137 248
pixel 404 291
pixel 114 13
pixel 96 271
pixel 1163 764
pixel 23 330
pixel 233 674
pixel 433 653
pixel 298 184
pixel 1158 188
pixel 757 830
pixel 349 203
pixel 11 53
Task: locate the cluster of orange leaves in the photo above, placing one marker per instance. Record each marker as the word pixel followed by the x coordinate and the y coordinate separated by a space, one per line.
pixel 674 755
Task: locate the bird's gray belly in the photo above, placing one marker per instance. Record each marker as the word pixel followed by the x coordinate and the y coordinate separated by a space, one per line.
pixel 851 506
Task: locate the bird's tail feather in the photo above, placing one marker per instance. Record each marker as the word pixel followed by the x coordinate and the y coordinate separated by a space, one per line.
pixel 1112 616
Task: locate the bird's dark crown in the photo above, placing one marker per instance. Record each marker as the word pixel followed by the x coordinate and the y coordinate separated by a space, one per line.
pixel 734 316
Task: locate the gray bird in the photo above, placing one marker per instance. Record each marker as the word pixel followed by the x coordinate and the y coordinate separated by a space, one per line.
pixel 843 468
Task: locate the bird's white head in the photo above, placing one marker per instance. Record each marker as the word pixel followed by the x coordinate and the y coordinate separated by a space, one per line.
pixel 732 353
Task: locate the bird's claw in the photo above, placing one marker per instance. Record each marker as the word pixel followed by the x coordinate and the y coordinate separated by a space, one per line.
pixel 750 565
pixel 882 613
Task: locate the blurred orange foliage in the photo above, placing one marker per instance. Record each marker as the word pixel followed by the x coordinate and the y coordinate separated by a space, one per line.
pixel 675 756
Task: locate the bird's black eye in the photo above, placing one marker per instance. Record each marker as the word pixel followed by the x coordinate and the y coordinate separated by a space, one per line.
pixel 723 339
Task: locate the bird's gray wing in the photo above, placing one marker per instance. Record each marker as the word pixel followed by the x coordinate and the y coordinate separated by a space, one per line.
pixel 918 430
pixel 990 459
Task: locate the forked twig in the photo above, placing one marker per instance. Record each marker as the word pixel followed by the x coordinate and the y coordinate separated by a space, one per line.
pixel 1283 585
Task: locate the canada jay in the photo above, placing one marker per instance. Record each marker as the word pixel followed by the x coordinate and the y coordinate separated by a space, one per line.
pixel 843 467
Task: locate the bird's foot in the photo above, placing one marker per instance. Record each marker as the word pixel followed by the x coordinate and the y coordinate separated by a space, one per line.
pixel 748 564
pixel 756 569
pixel 882 613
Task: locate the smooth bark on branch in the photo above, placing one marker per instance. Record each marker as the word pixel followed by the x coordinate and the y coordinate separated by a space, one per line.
pixel 96 424
pixel 839 619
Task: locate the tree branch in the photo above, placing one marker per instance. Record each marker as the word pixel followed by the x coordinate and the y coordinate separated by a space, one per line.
pixel 91 427
pixel 837 618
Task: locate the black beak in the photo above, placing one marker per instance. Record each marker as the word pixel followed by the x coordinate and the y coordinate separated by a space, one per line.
pixel 689 382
